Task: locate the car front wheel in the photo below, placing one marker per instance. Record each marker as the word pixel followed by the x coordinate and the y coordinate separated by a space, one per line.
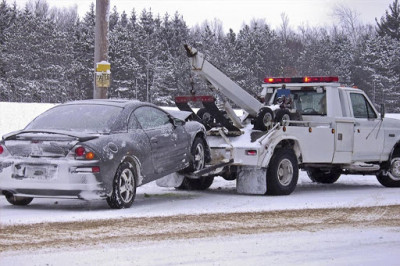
pixel 198 152
pixel 124 187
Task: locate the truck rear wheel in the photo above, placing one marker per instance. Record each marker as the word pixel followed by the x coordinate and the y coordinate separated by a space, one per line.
pixel 392 177
pixel 324 177
pixel 282 173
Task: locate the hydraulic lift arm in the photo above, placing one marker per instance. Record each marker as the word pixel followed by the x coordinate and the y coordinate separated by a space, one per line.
pixel 222 83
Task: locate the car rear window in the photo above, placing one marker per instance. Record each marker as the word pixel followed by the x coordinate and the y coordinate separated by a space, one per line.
pixel 88 118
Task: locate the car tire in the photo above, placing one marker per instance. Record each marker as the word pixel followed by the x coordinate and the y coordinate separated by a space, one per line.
pixel 323 177
pixel 18 201
pixel 205 116
pixel 282 173
pixel 201 183
pixel 124 187
pixel 198 152
pixel 264 119
pixel 392 177
pixel 282 114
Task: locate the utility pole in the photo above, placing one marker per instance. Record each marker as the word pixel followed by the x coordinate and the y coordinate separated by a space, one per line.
pixel 101 48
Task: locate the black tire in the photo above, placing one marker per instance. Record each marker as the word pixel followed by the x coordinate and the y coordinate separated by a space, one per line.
pixel 282 114
pixel 202 183
pixel 198 152
pixel 230 174
pixel 264 119
pixel 16 200
pixel 282 173
pixel 392 177
pixel 124 187
pixel 324 177
pixel 205 116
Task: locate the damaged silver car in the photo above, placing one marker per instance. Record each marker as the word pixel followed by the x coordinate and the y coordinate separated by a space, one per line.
pixel 98 149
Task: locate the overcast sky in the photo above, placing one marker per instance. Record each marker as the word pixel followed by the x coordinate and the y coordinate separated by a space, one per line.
pixel 233 13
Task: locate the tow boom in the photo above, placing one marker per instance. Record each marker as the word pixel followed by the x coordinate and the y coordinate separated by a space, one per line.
pixel 222 83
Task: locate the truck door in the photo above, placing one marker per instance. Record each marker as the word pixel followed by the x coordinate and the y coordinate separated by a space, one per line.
pixel 368 129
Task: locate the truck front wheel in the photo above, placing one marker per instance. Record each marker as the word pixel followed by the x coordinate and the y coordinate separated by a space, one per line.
pixel 283 173
pixel 324 177
pixel 391 178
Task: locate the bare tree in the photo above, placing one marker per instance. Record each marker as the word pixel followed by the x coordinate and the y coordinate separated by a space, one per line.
pixel 349 21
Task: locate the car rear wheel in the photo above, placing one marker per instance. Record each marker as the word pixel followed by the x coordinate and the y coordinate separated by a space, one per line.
pixel 16 200
pixel 124 187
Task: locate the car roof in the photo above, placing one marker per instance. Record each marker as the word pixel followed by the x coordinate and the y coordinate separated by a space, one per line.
pixel 111 102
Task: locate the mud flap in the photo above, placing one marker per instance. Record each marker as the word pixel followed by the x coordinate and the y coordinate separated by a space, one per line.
pixel 251 180
pixel 171 180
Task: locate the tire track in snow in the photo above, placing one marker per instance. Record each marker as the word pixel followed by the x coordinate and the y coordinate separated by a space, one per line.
pixel 98 232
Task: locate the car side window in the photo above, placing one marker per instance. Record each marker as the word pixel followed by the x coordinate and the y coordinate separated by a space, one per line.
pixel 150 117
pixel 361 107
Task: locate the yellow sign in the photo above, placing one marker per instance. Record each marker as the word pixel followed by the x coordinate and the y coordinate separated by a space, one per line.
pixel 103 79
pixel 103 74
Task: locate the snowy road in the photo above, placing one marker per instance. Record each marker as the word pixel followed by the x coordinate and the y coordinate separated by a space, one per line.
pixel 355 221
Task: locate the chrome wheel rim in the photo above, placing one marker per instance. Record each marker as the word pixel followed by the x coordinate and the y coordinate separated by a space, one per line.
pixel 126 185
pixel 206 117
pixel 285 117
pixel 285 172
pixel 199 157
pixel 267 119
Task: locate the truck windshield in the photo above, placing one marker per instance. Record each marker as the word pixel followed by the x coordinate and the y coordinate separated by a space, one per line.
pixel 309 102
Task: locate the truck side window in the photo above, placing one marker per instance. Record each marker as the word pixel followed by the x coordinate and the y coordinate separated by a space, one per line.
pixel 361 107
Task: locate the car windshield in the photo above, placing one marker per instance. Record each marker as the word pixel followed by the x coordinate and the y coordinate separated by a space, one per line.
pixel 84 118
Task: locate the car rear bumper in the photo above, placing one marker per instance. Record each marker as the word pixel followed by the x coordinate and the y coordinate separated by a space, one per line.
pixel 56 178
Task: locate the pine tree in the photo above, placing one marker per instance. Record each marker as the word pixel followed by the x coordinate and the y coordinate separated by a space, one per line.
pixel 390 23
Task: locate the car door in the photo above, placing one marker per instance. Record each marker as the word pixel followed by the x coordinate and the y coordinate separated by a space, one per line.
pixel 139 146
pixel 368 130
pixel 164 137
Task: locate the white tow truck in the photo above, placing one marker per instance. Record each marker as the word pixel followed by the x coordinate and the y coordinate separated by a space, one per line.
pixel 309 123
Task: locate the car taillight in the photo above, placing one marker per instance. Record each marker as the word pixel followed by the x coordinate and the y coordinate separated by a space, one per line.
pixel 84 153
pixel 80 151
pixel 1 149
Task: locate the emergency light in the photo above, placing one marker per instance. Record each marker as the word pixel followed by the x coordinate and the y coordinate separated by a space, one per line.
pixel 272 80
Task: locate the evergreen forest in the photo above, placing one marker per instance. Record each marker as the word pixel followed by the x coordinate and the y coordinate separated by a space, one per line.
pixel 47 53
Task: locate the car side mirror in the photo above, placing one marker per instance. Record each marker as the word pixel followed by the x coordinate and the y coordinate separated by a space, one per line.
pixel 383 111
pixel 177 122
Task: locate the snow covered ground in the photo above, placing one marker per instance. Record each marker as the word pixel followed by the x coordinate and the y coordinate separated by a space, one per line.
pixel 346 245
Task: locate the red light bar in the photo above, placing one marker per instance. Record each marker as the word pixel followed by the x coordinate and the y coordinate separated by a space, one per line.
pixel 186 99
pixel 301 80
pixel 320 79
pixel 277 80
